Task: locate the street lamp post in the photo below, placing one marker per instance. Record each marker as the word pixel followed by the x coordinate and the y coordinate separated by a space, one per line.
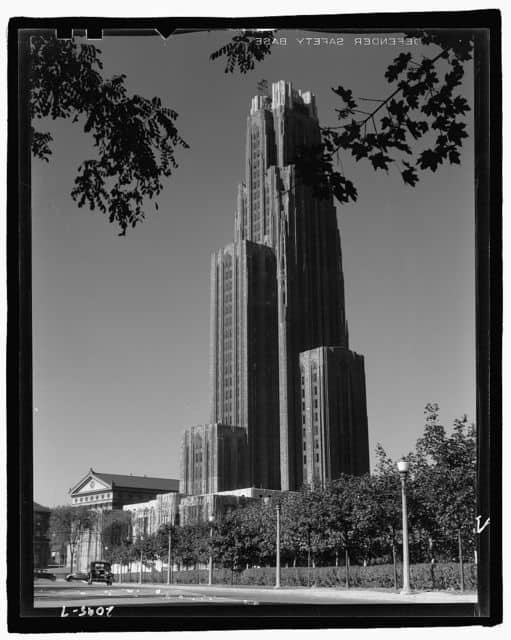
pixel 210 570
pixel 277 568
pixel 267 501
pixel 402 466
pixel 169 570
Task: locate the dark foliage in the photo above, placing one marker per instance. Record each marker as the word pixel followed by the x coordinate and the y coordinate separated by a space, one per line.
pixel 244 50
pixel 442 576
pixel 135 137
pixel 418 126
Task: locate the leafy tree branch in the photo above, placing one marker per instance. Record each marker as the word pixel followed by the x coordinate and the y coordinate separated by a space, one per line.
pixel 423 107
pixel 135 137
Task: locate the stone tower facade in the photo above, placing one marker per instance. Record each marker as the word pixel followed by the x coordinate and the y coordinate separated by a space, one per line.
pixel 244 353
pixel 334 421
pixel 277 292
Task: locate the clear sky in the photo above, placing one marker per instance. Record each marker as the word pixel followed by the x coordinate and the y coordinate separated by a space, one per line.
pixel 121 324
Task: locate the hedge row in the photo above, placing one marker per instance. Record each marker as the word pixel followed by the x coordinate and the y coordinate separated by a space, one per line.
pixel 442 577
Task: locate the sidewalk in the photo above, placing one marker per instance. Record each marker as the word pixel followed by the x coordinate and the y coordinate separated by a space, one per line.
pixel 330 593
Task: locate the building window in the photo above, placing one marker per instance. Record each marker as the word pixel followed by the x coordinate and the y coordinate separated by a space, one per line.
pixel 304 459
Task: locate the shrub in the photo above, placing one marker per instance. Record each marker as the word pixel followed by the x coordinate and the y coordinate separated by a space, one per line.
pixel 442 577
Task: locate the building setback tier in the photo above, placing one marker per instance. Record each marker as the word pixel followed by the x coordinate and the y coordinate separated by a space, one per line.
pixel 213 458
pixel 333 414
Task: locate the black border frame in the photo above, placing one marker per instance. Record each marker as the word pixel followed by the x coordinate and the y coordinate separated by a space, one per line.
pixel 22 617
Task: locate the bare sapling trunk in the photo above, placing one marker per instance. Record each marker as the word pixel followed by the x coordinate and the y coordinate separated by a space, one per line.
pixel 394 562
pixel 460 557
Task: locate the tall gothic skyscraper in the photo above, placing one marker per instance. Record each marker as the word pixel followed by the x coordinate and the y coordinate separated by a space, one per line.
pixel 277 292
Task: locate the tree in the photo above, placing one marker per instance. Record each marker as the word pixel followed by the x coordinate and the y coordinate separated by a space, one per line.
pixel 135 137
pixel 301 529
pixel 145 549
pixel 338 515
pixel 164 538
pixel 188 542
pixel 445 478
pixel 378 513
pixel 68 525
pixel 417 126
pixel 233 539
pixel 115 527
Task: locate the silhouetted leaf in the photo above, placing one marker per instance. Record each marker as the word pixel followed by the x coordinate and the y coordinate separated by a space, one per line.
pixel 380 161
pixel 428 159
pixel 410 176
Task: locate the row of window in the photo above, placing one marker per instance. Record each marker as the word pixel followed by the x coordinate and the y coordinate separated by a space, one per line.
pixel 314 391
pixel 305 459
pixel 315 419
pixel 103 496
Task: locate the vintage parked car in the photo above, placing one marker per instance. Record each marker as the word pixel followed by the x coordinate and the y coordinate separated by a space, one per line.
pixel 100 572
pixel 77 575
pixel 42 574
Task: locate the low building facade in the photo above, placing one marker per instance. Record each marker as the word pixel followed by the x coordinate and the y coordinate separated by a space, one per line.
pixel 103 492
pixel 201 508
pixel 148 517
pixel 107 491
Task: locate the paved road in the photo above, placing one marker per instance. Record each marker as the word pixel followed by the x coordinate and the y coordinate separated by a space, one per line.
pixel 77 594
